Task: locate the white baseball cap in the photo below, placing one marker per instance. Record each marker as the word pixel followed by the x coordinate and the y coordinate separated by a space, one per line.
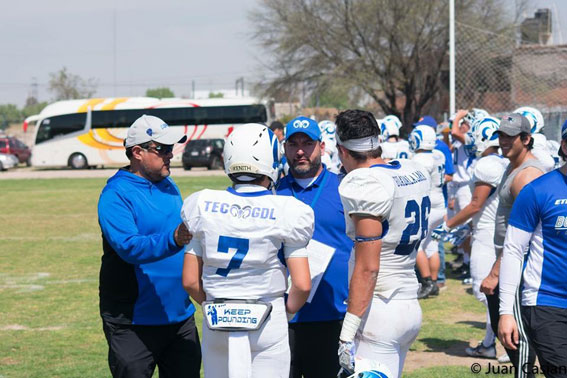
pixel 149 128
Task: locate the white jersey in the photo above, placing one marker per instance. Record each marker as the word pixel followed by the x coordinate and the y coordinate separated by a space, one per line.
pixel 397 150
pixel 541 152
pixel 238 234
pixel 434 163
pixel 462 163
pixel 553 148
pixel 489 170
pixel 398 193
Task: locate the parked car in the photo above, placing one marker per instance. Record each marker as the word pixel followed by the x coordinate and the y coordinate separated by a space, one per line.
pixel 7 161
pixel 11 145
pixel 203 153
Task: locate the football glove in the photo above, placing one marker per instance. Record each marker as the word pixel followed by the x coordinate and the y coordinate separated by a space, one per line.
pixel 346 356
pixel 440 232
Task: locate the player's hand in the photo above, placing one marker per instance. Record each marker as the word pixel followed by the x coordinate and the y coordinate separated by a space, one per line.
pixel 440 231
pixel 489 284
pixel 346 356
pixel 508 332
pixel 461 113
pixel 451 204
pixel 182 235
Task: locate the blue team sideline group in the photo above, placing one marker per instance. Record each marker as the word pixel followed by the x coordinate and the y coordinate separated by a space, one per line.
pixel 312 263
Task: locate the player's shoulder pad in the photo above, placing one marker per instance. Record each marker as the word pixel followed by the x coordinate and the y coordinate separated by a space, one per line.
pixel 367 191
pixel 489 169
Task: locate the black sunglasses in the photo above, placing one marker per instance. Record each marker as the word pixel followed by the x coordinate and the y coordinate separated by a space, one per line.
pixel 161 149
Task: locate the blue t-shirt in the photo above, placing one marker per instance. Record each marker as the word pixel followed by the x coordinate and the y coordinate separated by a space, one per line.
pixel 541 209
pixel 442 146
pixel 323 196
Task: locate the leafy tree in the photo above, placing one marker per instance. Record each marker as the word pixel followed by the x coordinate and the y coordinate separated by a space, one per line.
pixel 162 92
pixel 65 85
pixel 394 51
pixel 9 113
pixel 33 108
pixel 216 95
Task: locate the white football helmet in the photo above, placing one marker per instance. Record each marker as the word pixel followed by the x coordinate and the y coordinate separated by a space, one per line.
pixel 484 134
pixel 393 120
pixel 534 116
pixel 388 129
pixel 422 138
pixel 364 368
pixel 252 149
pixel 475 114
pixel 328 129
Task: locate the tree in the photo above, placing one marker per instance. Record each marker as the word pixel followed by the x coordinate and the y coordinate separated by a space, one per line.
pixel 162 92
pixel 9 113
pixel 216 95
pixel 66 86
pixel 394 51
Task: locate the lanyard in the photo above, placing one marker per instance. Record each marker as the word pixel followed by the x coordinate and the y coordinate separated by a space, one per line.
pixel 317 194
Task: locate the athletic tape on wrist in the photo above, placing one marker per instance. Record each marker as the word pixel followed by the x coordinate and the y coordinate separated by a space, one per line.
pixel 350 326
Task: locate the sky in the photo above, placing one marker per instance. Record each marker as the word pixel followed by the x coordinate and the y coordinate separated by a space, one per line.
pixel 129 46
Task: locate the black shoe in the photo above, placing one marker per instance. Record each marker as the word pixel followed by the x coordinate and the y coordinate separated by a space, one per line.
pixel 434 290
pixel 426 288
pixel 465 272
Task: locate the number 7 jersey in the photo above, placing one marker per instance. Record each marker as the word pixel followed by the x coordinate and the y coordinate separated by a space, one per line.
pixel 398 194
pixel 243 238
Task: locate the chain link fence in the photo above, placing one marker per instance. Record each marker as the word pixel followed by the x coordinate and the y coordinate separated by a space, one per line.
pixel 494 73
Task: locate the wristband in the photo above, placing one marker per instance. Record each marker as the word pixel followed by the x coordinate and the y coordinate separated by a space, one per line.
pixel 350 326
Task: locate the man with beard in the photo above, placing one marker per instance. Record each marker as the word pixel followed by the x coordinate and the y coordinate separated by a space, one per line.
pixel 314 330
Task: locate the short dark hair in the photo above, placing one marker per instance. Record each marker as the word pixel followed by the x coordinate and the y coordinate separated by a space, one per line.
pixel 524 136
pixel 145 146
pixel 355 124
pixel 561 153
pixel 276 125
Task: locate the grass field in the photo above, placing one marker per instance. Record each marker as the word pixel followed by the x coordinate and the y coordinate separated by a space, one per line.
pixel 50 249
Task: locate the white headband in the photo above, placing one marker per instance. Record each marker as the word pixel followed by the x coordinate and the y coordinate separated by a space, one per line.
pixel 361 144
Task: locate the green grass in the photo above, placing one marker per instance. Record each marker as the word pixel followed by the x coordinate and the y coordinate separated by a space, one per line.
pixel 50 251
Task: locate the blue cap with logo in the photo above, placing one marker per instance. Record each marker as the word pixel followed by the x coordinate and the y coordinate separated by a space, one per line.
pixel 426 121
pixel 564 130
pixel 303 125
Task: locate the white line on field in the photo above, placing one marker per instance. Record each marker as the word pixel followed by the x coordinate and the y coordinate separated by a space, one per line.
pixel 19 327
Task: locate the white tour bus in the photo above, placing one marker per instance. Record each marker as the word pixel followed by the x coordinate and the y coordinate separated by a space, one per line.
pixel 90 132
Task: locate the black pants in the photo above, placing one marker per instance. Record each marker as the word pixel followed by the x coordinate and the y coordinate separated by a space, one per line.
pixel 522 358
pixel 547 331
pixel 134 350
pixel 314 347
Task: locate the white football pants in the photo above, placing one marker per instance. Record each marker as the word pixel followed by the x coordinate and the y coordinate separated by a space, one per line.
pixel 249 354
pixel 387 331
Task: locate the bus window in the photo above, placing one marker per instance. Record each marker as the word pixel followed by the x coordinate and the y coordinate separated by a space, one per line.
pixel 60 125
pixel 209 115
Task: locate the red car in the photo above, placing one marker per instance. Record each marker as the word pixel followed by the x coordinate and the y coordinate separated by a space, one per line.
pixel 11 145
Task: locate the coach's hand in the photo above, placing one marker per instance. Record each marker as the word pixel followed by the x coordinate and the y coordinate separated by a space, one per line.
pixel 489 284
pixel 508 332
pixel 182 235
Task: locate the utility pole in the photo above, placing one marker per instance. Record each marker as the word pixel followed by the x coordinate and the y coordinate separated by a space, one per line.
pixel 452 106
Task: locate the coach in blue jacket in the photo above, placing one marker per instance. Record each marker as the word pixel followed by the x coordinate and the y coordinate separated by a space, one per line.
pixel 314 331
pixel 146 314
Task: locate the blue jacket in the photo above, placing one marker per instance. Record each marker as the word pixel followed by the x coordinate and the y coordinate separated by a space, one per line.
pixel 323 196
pixel 140 275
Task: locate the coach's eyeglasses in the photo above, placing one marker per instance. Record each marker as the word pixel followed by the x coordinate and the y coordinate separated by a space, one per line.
pixel 160 149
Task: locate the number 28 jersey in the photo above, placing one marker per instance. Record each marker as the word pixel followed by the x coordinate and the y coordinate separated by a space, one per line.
pixel 239 235
pixel 398 194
